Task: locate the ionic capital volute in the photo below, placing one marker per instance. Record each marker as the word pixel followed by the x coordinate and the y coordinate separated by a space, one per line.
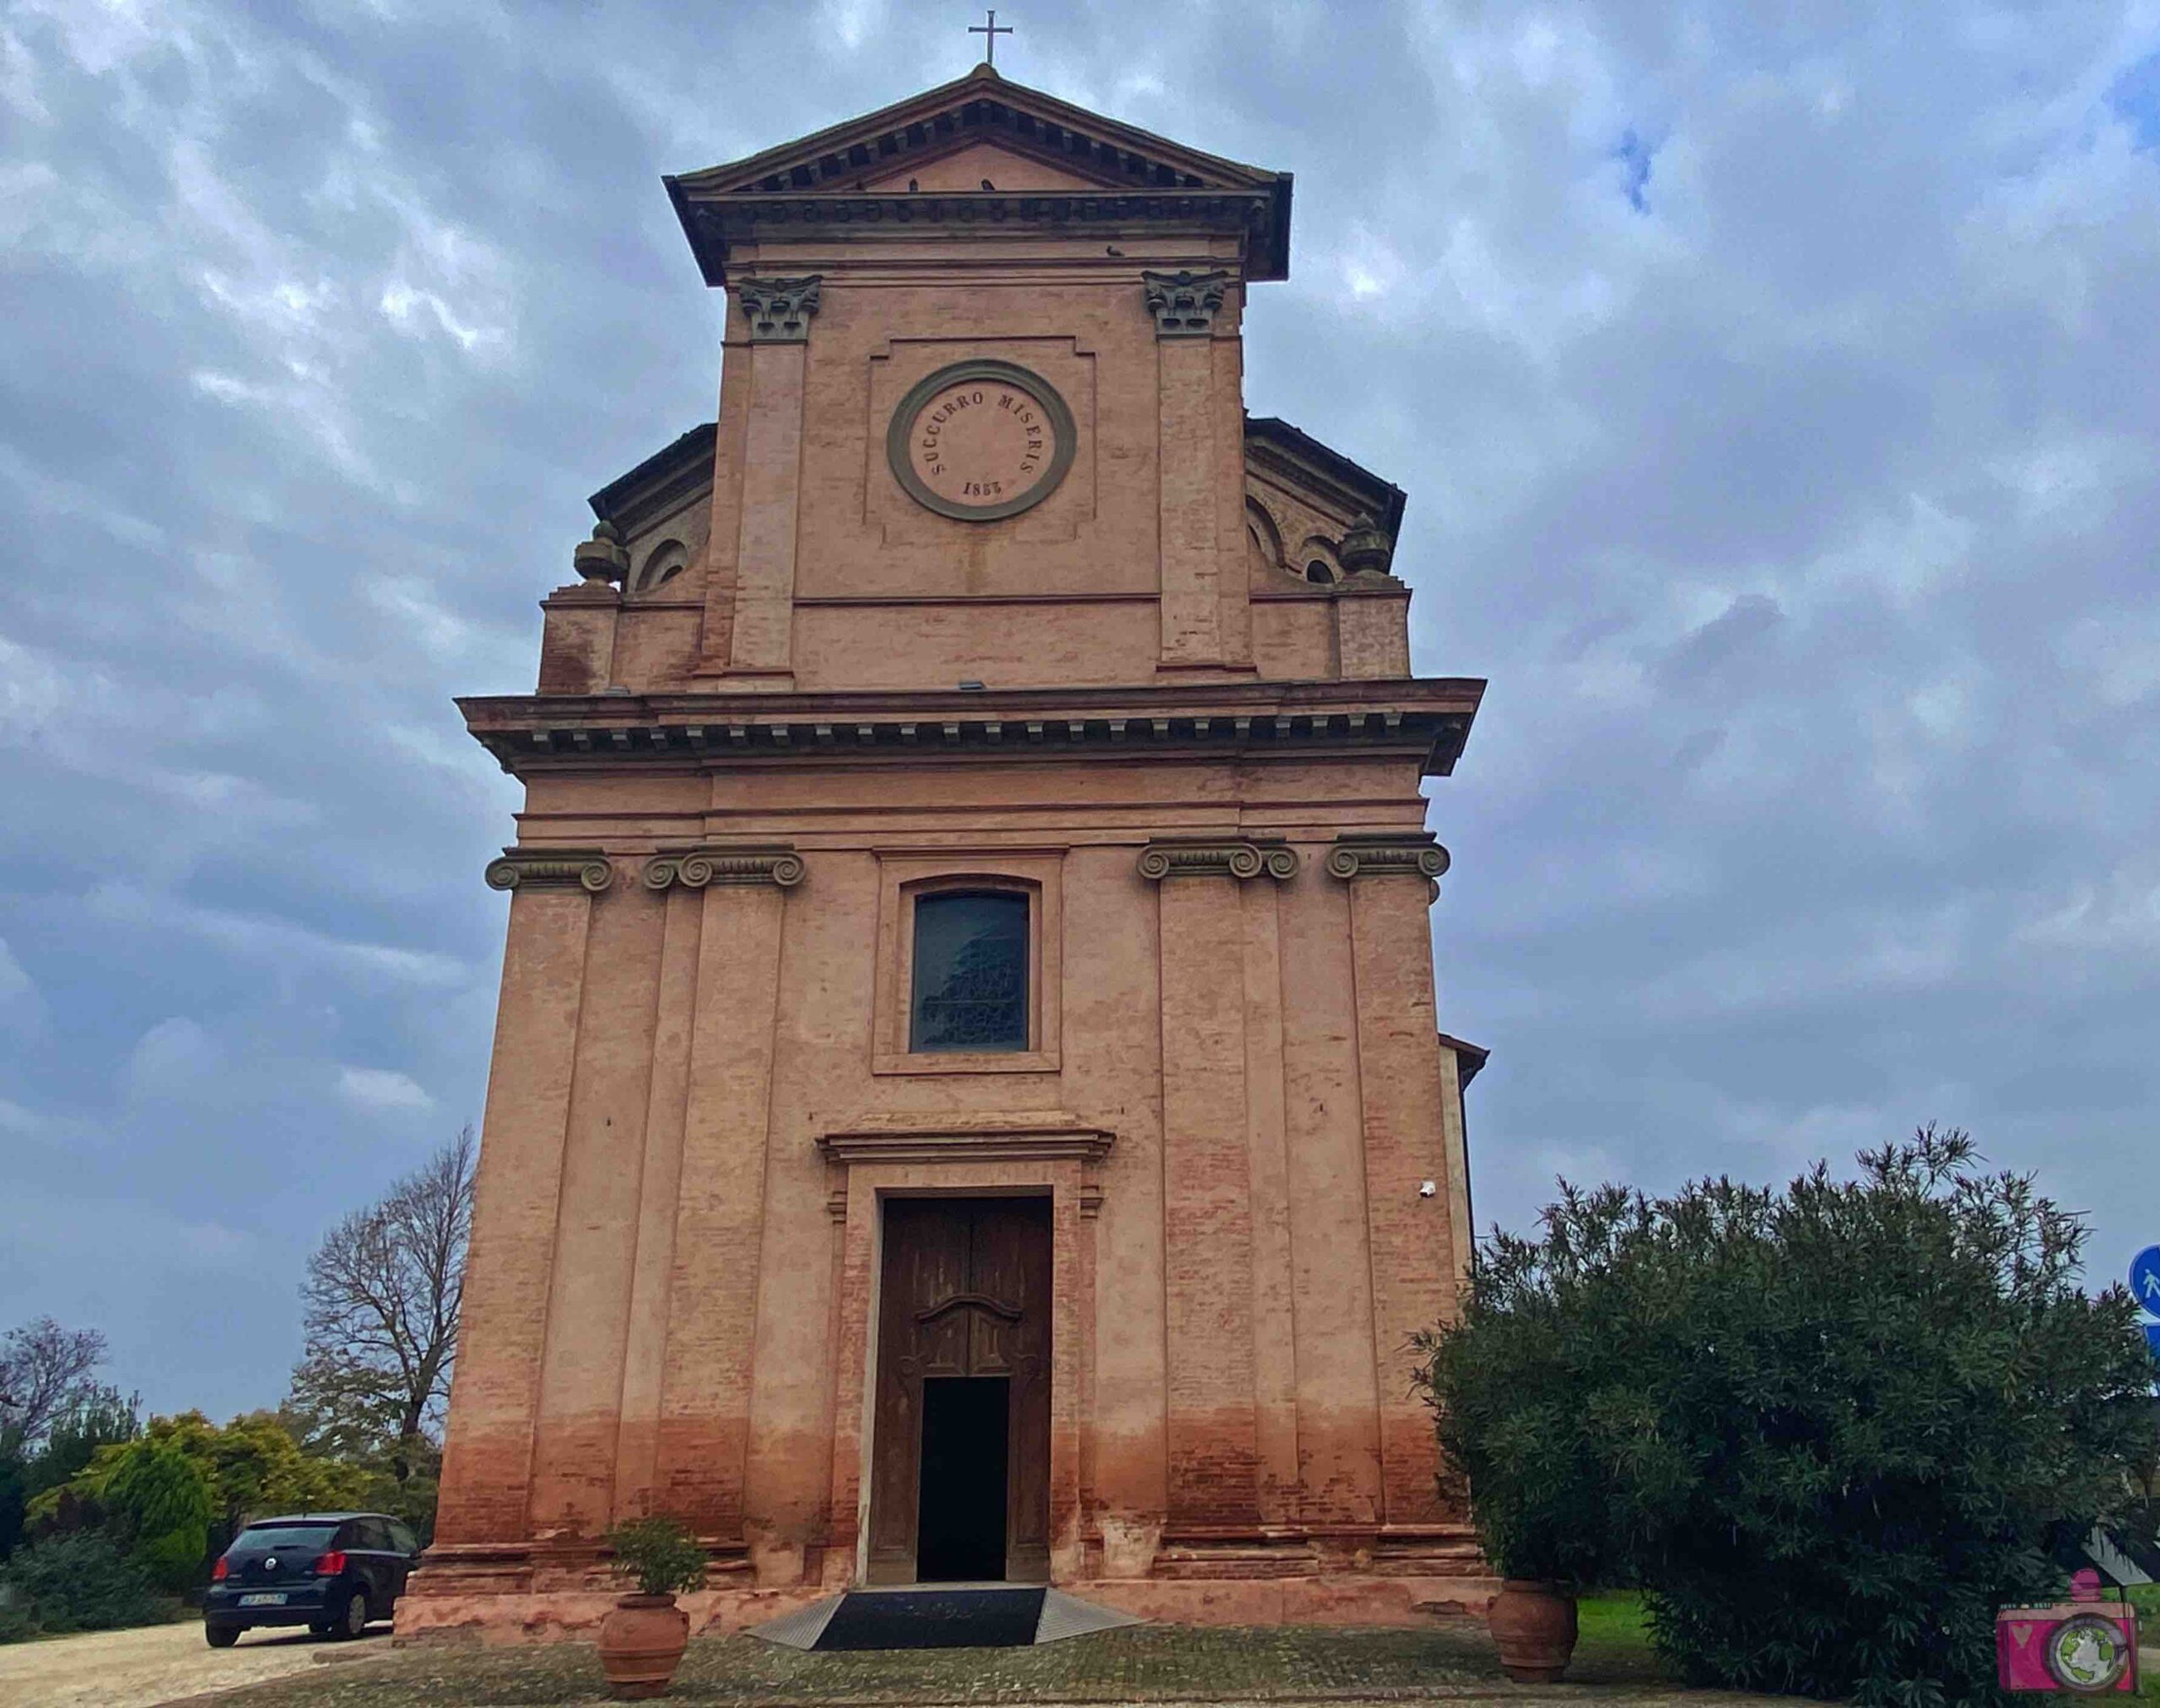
pixel 698 869
pixel 541 868
pixel 1383 856
pixel 1203 859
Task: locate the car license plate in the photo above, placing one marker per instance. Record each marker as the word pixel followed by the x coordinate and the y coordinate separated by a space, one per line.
pixel 263 1601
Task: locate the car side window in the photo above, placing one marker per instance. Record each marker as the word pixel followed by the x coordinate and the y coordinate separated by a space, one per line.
pixel 347 1536
pixel 404 1539
pixel 373 1537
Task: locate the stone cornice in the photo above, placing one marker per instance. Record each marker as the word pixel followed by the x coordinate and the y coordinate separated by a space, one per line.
pixel 538 868
pixel 716 223
pixel 699 868
pixel 1217 859
pixel 1426 719
pixel 1047 1136
pixel 1378 857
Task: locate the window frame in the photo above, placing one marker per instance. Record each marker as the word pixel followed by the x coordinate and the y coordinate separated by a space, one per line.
pixel 905 881
pixel 929 895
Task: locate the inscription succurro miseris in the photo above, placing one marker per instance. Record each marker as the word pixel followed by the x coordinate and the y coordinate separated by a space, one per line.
pixel 981 440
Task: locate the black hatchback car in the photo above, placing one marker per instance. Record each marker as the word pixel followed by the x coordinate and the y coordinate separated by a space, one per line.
pixel 330 1571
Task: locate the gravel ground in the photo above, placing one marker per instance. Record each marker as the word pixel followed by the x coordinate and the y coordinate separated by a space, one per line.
pixel 1157 1663
pixel 157 1664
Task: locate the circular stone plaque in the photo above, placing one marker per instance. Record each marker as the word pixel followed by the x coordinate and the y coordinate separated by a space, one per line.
pixel 980 440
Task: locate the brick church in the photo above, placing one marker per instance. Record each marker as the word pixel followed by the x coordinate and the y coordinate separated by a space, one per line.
pixel 967 1101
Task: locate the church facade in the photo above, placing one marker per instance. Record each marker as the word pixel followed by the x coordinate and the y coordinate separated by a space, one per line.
pixel 968 1100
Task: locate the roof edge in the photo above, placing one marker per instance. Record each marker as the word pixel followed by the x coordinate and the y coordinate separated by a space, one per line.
pixel 1390 498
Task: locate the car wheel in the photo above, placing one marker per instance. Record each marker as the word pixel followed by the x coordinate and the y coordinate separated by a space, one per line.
pixel 355 1620
pixel 221 1636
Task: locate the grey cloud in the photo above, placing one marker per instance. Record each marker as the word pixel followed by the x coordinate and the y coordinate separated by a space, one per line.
pixel 1801 519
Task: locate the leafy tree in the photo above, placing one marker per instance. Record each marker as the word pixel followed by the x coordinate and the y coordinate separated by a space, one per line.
pixel 162 1502
pixel 254 1469
pixel 1828 1431
pixel 251 1468
pixel 100 1418
pixel 381 1295
pixel 45 1391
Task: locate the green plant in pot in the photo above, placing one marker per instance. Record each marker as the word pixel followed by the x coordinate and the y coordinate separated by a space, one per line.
pixel 1512 1421
pixel 643 1637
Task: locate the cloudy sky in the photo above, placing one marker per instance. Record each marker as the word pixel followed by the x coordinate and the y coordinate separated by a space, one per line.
pixel 1775 397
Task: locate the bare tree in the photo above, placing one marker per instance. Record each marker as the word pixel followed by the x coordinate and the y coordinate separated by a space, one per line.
pixel 383 1293
pixel 44 1370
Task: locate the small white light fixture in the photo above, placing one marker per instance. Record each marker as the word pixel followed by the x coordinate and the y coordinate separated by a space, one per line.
pixel 1426 1189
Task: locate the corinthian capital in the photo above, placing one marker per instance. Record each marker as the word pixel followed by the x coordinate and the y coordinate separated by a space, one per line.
pixel 1184 304
pixel 778 311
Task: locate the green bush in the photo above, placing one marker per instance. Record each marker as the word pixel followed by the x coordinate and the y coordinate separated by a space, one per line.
pixel 250 1468
pixel 78 1582
pixel 1827 1431
pixel 660 1554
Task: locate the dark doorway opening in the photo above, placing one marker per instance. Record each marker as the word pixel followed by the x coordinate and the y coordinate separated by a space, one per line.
pixel 964 1437
pixel 959 1459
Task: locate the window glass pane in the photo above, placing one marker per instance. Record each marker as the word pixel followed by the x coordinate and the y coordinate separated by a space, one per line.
pixel 971 971
pixel 268 1539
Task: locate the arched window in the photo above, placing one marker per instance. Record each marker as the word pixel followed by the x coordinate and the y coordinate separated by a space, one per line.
pixel 667 560
pixel 971 971
pixel 1318 571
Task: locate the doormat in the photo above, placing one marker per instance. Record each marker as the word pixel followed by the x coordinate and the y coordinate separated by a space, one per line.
pixel 984 1618
pixel 935 1618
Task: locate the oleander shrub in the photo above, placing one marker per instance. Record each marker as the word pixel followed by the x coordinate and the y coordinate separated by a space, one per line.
pixel 1827 1431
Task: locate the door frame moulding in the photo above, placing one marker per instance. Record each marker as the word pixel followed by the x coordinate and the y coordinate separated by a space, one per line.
pixel 1045 1153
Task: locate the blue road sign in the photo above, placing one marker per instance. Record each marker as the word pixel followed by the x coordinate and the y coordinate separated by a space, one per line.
pixel 2145 1279
pixel 2153 1337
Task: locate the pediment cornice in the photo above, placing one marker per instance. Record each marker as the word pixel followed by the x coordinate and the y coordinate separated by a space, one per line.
pixel 1027 1136
pixel 1129 176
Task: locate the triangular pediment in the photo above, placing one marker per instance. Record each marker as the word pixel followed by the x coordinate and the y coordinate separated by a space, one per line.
pixel 877 150
pixel 982 166
pixel 982 149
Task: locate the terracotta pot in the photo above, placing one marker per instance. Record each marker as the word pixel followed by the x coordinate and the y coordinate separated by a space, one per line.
pixel 1533 1626
pixel 641 1643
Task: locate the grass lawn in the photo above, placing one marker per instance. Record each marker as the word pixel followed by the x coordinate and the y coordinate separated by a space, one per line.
pixel 1613 1644
pixel 1161 1663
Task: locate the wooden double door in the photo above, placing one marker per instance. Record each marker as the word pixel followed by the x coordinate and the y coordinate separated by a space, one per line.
pixel 959 1487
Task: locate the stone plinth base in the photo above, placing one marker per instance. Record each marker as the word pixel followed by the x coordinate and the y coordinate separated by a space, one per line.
pixel 458 1616
pixel 452 1615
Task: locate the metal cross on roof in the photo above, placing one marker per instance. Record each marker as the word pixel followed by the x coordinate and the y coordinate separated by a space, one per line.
pixel 991 31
